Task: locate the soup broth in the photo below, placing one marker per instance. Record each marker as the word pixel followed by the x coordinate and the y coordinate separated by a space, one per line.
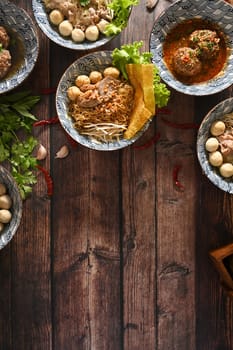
pixel 17 51
pixel 178 37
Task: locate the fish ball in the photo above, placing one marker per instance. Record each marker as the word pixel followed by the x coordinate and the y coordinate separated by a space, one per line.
pixel 102 25
pixel 217 128
pixel 1 226
pixel 82 80
pixel 216 158
pixel 56 17
pixel 78 35
pixel 92 33
pixel 73 92
pixel 65 28
pixel 226 170
pixel 2 189
pixel 112 72
pixel 95 76
pixel 5 201
pixel 5 216
pixel 212 144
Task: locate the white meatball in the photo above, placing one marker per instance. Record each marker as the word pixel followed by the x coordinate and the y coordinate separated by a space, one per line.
pixel 217 128
pixel 56 17
pixel 102 25
pixel 112 72
pixel 95 76
pixel 226 170
pixel 81 80
pixel 5 216
pixel 77 35
pixel 5 201
pixel 212 144
pixel 92 33
pixel 216 158
pixel 73 92
pixel 65 28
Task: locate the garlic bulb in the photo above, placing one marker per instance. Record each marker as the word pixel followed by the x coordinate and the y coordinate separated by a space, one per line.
pixel 63 152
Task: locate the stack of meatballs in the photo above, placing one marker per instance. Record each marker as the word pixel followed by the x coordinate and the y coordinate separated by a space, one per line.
pixel 204 45
pixel 5 56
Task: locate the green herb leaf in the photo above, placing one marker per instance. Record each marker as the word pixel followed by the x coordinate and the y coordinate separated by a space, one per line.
pixel 131 54
pixel 121 11
pixel 84 2
pixel 16 119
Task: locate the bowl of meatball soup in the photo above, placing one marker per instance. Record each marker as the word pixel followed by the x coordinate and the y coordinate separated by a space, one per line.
pixel 81 25
pixel 192 44
pixel 215 145
pixel 94 103
pixel 11 207
pixel 19 46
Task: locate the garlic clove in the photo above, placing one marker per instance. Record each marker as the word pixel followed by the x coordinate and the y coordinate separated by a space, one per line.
pixel 41 153
pixel 63 152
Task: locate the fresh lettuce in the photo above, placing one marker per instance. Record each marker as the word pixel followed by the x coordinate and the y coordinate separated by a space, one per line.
pixel 131 54
pixel 121 11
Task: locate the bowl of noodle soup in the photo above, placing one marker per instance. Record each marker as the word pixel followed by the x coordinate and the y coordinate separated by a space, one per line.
pixel 114 113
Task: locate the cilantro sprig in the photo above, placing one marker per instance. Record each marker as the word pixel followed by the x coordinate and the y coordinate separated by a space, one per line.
pixel 16 140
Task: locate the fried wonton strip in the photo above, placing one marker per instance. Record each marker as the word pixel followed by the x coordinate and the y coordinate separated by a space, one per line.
pixel 144 76
pixel 144 102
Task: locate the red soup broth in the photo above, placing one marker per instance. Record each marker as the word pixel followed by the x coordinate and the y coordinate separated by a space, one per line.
pixel 179 37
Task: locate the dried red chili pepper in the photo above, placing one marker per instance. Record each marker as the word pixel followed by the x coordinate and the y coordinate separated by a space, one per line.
pixel 180 125
pixel 175 174
pixel 163 110
pixel 149 143
pixel 54 120
pixel 48 179
pixel 48 91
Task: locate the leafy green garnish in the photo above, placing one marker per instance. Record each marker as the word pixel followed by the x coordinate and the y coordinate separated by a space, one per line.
pixel 131 54
pixel 16 140
pixel 121 11
pixel 84 2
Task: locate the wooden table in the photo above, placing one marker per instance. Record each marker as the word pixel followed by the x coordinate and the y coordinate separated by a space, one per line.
pixel 118 257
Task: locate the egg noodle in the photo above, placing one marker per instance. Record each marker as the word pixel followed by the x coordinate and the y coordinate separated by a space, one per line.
pixel 108 120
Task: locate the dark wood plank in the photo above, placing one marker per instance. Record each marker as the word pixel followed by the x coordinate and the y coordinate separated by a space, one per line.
pixel 30 310
pixel 5 299
pixel 214 330
pixel 86 254
pixel 176 229
pixel 139 225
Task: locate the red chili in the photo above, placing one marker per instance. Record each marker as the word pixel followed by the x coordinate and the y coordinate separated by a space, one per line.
pixel 48 91
pixel 176 181
pixel 151 142
pixel 70 139
pixel 163 110
pixel 180 125
pixel 48 179
pixel 54 120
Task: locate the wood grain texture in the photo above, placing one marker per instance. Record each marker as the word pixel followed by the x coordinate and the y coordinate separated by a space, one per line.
pixel 118 257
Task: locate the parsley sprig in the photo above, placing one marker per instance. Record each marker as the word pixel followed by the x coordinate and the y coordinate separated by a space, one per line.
pixel 16 139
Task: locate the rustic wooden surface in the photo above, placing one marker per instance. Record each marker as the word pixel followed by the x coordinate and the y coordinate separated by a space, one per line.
pixel 118 259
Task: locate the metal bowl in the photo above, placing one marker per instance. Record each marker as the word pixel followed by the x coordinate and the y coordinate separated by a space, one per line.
pixel 16 209
pixel 213 11
pixel 24 45
pixel 212 173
